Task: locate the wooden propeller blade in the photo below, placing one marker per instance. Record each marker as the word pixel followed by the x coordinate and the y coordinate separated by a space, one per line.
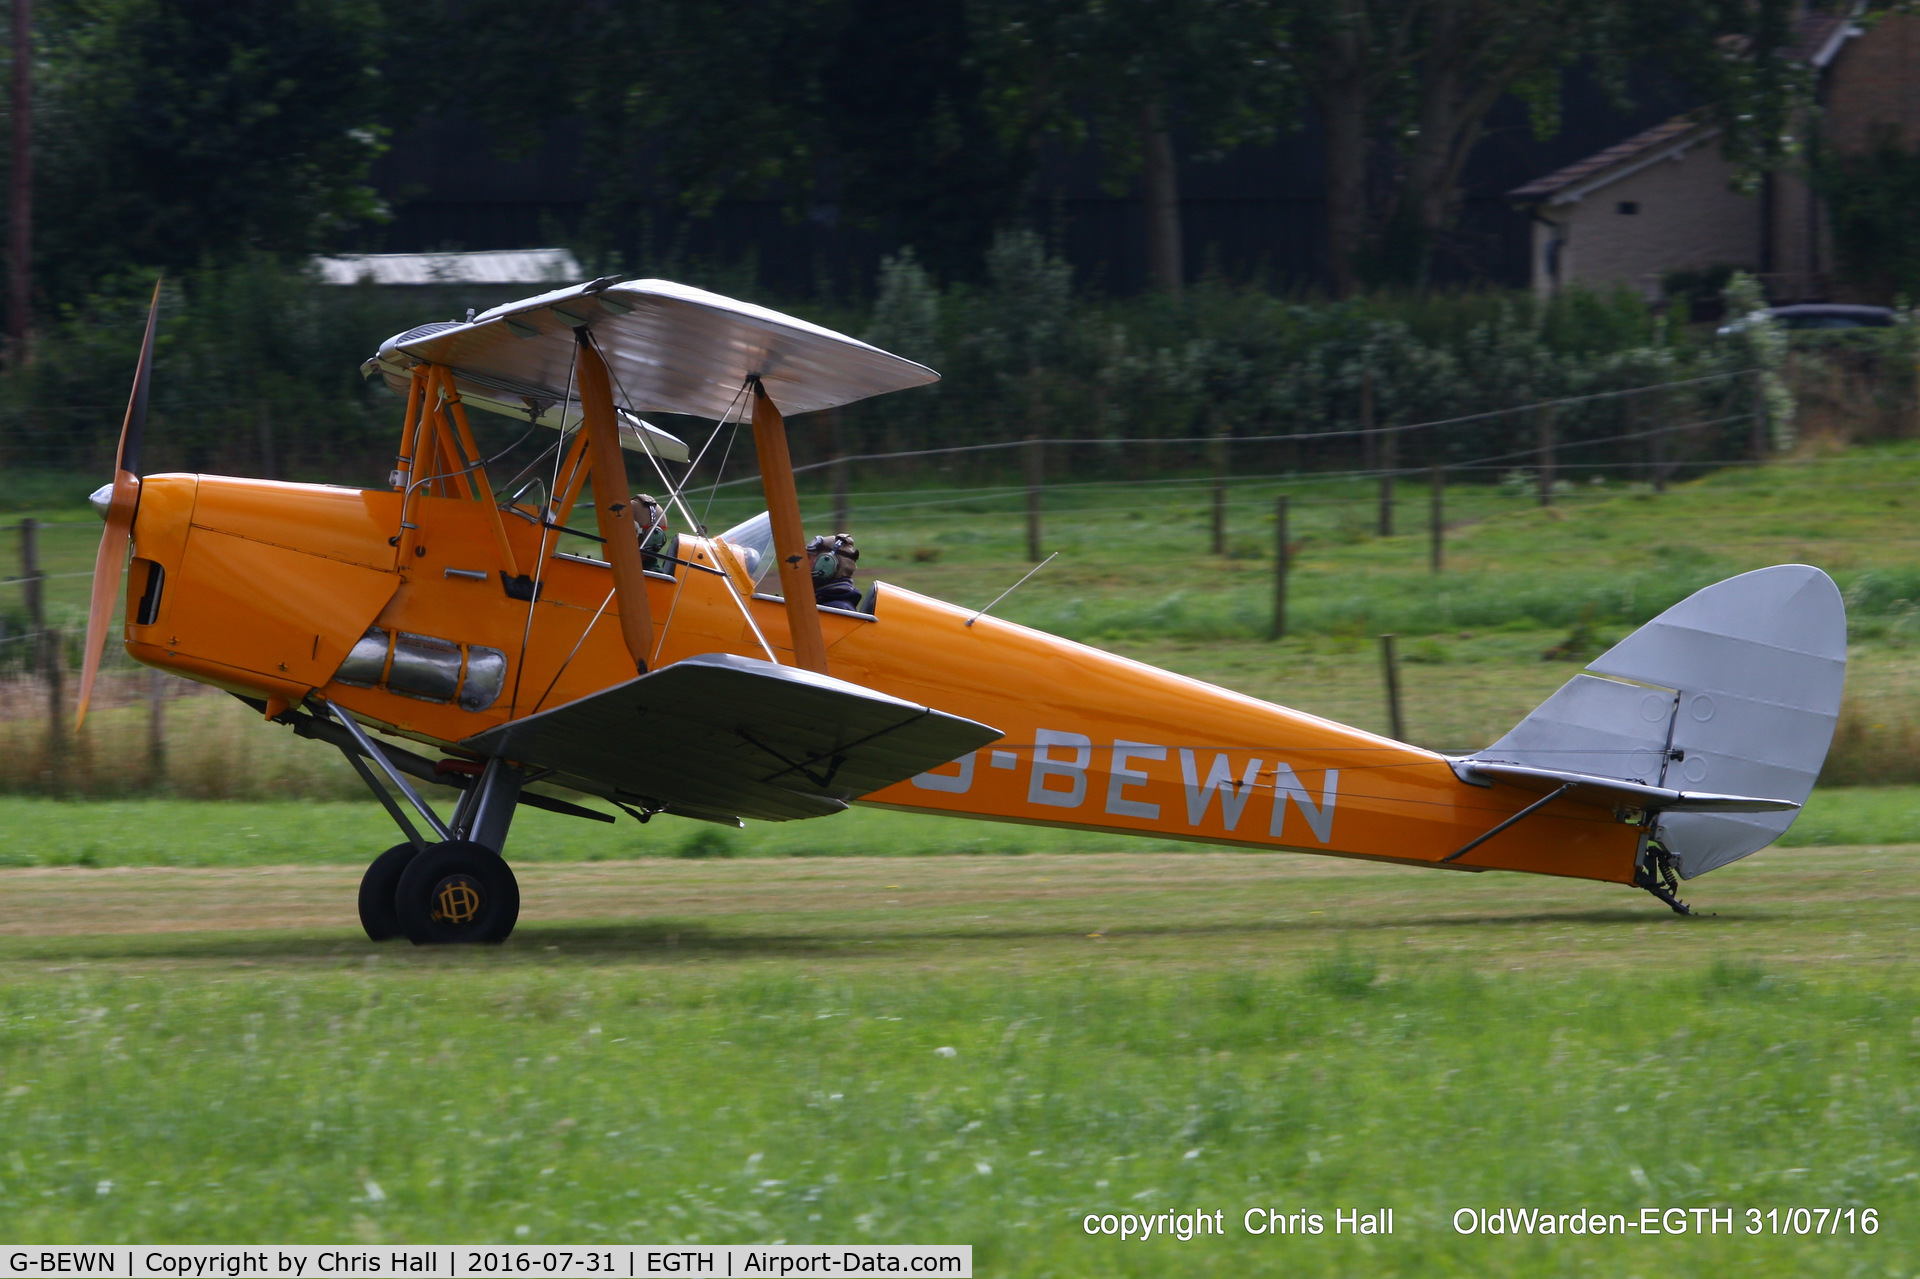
pixel 112 555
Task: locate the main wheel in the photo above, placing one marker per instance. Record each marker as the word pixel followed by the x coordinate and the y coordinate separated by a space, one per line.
pixel 377 888
pixel 457 892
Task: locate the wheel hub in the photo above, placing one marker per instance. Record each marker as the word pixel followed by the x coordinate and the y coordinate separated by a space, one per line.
pixel 457 900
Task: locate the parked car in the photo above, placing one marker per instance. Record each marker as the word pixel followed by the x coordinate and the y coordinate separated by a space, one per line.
pixel 1816 315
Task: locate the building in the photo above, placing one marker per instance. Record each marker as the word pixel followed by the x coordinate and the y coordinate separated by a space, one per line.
pixel 1663 203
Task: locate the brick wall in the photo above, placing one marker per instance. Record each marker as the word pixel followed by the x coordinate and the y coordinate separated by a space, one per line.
pixel 1873 87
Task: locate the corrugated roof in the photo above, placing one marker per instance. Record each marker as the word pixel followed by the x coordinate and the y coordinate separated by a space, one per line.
pixel 490 266
pixel 1619 155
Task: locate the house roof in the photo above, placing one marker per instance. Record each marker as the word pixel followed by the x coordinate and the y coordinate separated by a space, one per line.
pixel 1817 37
pixel 1816 40
pixel 1617 161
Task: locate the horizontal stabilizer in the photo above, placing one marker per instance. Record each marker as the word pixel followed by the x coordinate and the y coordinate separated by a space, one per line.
pixel 1612 790
pixel 724 735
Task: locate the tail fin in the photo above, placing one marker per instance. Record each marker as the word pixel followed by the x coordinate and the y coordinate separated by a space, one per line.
pixel 1734 689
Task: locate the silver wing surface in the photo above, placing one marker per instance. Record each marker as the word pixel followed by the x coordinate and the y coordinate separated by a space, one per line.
pixel 671 349
pixel 720 736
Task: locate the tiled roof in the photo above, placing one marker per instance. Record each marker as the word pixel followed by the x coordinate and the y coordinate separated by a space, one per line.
pixel 1816 37
pixel 1598 163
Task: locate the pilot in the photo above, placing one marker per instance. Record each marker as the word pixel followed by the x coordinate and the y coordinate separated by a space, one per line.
pixel 834 556
pixel 650 519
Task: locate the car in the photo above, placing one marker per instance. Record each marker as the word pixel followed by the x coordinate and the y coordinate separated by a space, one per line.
pixel 1816 315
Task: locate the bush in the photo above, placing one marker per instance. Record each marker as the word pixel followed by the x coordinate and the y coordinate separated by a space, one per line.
pixel 257 372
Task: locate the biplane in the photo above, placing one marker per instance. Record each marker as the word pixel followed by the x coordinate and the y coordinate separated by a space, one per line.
pixel 483 644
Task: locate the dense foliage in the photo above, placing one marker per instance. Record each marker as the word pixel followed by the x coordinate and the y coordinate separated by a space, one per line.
pixel 1023 355
pixel 258 370
pixel 173 133
pixel 1872 198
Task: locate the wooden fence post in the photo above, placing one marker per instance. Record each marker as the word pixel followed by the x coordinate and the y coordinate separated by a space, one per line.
pixel 842 514
pixel 1390 665
pixel 1036 474
pixel 1545 453
pixel 30 586
pixel 1762 433
pixel 1436 519
pixel 269 468
pixel 1369 443
pixel 1280 566
pixel 47 657
pixel 1389 459
pixel 1657 445
pixel 156 731
pixel 1220 492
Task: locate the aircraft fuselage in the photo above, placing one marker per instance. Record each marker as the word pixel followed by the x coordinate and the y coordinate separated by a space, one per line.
pixel 266 588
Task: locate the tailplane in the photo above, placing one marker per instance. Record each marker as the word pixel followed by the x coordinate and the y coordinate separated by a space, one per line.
pixel 1734 690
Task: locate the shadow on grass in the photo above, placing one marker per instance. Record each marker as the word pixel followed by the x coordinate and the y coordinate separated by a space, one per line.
pixel 686 940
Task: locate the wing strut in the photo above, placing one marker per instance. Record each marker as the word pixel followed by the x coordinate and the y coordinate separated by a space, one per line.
pixel 611 507
pixel 789 542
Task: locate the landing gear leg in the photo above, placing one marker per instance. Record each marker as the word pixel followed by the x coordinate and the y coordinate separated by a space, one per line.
pixel 463 890
pixel 1655 873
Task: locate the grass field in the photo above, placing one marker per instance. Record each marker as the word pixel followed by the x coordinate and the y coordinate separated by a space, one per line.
pixel 822 1031
pixel 172 832
pixel 974 1050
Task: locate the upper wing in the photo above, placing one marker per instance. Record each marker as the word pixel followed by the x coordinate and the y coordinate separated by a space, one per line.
pixel 722 735
pixel 671 349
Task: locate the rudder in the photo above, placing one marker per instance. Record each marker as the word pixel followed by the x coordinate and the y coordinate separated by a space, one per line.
pixel 1735 689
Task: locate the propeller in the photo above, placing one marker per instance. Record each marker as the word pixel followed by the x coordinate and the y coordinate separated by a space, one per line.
pixel 122 499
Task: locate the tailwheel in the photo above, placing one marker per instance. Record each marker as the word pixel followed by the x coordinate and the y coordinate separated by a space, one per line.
pixel 377 889
pixel 458 891
pixel 1657 876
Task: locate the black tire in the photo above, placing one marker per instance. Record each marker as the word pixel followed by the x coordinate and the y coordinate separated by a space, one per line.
pixel 457 892
pixel 377 888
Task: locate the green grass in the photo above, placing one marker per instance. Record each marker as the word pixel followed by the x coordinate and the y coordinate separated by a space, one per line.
pixel 992 1057
pixel 162 832
pixel 1134 556
pixel 737 1036
pixel 1134 560
pixel 1858 815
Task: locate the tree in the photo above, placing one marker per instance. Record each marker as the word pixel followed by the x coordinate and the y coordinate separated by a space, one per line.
pixel 1125 73
pixel 1406 86
pixel 914 152
pixel 176 133
pixel 861 112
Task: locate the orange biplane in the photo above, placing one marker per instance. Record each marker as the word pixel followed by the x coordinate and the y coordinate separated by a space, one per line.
pixel 698 676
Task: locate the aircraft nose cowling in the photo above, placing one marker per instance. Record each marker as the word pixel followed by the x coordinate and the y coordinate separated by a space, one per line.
pixel 101 500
